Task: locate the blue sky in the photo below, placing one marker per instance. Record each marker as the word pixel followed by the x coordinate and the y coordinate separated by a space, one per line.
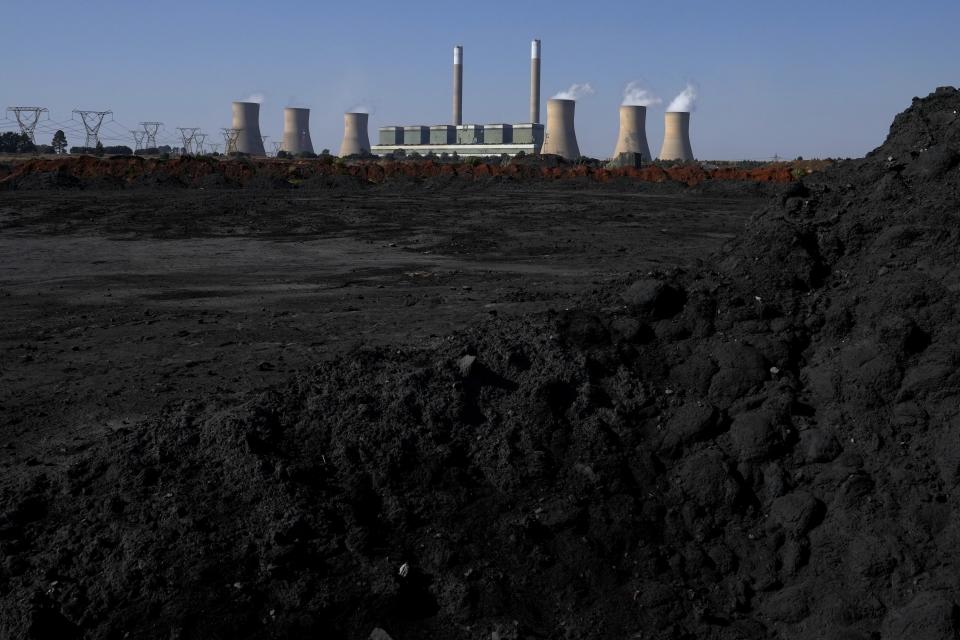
pixel 816 78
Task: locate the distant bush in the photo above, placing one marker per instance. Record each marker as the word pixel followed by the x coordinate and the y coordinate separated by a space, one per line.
pixel 121 150
pixel 11 142
pixel 283 155
pixel 306 154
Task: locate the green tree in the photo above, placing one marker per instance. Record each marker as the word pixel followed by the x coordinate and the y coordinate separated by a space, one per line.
pixel 99 149
pixel 59 143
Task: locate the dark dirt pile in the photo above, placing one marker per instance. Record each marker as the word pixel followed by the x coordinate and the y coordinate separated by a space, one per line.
pixel 768 448
pixel 120 172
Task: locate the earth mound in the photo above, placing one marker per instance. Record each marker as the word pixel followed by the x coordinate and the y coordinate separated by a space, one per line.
pixel 766 448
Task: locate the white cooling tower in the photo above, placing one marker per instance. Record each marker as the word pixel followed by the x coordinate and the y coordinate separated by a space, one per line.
pixel 246 119
pixel 296 131
pixel 355 138
pixel 560 138
pixel 676 137
pixel 633 132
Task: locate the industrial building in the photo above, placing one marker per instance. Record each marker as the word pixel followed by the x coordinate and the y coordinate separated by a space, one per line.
pixel 471 140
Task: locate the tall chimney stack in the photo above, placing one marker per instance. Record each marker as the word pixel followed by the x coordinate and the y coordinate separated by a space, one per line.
pixel 458 85
pixel 535 82
pixel 676 137
pixel 560 138
pixel 633 132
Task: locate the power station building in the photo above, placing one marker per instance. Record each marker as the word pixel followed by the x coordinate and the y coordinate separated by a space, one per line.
pixel 470 140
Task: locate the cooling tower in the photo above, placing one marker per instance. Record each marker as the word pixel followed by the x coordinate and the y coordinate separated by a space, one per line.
pixel 458 85
pixel 296 131
pixel 633 132
pixel 560 138
pixel 676 137
pixel 246 119
pixel 535 81
pixel 355 138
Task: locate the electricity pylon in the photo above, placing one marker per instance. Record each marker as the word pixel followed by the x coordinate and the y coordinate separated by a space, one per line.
pixel 150 129
pixel 230 137
pixel 91 122
pixel 138 137
pixel 198 139
pixel 27 118
pixel 187 133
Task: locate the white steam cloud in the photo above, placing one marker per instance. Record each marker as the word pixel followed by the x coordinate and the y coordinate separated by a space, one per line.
pixel 361 108
pixel 259 98
pixel 575 92
pixel 634 95
pixel 686 101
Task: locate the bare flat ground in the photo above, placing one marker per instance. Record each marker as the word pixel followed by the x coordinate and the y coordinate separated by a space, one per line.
pixel 114 304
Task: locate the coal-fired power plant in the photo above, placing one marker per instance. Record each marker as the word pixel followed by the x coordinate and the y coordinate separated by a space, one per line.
pixel 474 139
pixel 561 138
pixel 633 132
pixel 356 141
pixel 535 82
pixel 296 131
pixel 676 137
pixel 246 120
pixel 458 85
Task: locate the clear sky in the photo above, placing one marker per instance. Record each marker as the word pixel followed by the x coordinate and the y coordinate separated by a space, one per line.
pixel 816 78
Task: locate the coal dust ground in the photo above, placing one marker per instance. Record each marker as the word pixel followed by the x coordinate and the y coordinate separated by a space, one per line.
pixel 116 303
pixel 496 410
pixel 119 305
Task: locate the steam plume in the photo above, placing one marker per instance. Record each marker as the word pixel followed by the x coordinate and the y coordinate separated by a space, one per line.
pixel 361 108
pixel 686 101
pixel 255 97
pixel 575 92
pixel 635 95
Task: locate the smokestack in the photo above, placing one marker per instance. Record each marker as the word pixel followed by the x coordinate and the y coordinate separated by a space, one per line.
pixel 355 138
pixel 676 137
pixel 296 131
pixel 633 132
pixel 246 118
pixel 458 85
pixel 535 82
pixel 561 138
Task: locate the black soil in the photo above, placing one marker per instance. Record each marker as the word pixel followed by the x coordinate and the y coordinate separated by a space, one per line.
pixel 762 445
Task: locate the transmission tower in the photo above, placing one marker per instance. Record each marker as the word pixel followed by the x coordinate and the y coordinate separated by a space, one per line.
pixel 214 147
pixel 187 133
pixel 150 129
pixel 138 137
pixel 230 137
pixel 91 122
pixel 27 118
pixel 276 147
pixel 198 138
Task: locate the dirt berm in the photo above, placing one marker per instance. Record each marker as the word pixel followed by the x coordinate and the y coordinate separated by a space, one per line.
pixel 767 448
